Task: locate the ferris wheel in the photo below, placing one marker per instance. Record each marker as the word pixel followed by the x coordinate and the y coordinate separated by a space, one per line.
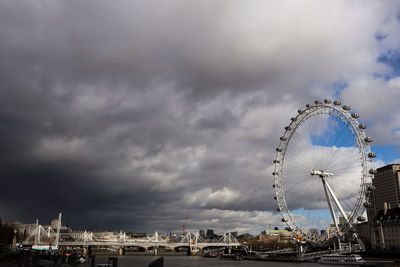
pixel 323 171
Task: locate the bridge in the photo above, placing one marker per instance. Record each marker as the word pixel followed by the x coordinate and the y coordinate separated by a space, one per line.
pixel 48 238
pixel 189 240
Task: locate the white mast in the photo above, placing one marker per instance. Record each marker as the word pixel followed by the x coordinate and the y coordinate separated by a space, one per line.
pixel 58 229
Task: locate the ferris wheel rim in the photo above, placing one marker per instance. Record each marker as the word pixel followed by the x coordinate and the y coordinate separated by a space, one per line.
pixel 362 141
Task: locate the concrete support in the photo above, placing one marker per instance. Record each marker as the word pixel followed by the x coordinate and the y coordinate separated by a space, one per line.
pixel 14 241
pixel 121 251
pixel 382 238
pixel 85 250
pixel 373 238
pixel 155 251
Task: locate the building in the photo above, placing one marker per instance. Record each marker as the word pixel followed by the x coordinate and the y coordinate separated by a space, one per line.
pixel 202 233
pixel 25 229
pixel 384 212
pixel 387 189
pixel 281 236
pixel 386 232
pixel 211 236
pixel 210 232
pixel 343 221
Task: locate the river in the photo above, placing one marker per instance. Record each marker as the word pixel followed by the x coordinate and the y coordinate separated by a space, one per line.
pixel 178 261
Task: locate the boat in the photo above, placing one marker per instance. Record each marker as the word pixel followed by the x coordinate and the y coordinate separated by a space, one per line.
pixel 342 259
pixel 44 247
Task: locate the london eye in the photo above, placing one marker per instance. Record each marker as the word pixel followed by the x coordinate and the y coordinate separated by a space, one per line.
pixel 323 171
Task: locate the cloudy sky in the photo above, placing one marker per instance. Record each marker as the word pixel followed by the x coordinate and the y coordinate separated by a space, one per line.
pixel 132 114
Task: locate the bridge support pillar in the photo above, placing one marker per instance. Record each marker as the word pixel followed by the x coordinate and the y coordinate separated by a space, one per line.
pixel 121 251
pixel 155 251
pixel 85 250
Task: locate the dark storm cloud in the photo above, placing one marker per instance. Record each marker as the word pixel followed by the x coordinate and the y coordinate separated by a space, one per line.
pixel 130 114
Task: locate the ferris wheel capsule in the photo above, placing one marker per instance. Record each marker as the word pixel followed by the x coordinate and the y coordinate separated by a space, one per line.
pixel 370 188
pixel 368 139
pixel 300 111
pixel 318 102
pixel 345 107
pixel 367 204
pixel 372 171
pixel 355 115
pixel 308 106
pixel 288 128
pixel 327 101
pixel 361 219
pixel 337 103
pixel 371 155
pixel 362 126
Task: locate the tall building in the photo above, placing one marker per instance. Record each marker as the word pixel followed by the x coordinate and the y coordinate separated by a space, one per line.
pixel 383 223
pixel 387 189
pixel 210 232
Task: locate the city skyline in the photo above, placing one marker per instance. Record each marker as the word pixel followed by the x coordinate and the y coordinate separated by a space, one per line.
pixel 136 115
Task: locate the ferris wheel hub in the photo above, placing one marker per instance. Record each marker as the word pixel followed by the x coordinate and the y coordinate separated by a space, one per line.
pixel 321 173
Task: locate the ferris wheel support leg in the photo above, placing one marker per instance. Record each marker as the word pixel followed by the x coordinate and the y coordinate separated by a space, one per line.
pixel 343 213
pixel 337 202
pixel 331 210
pixel 330 205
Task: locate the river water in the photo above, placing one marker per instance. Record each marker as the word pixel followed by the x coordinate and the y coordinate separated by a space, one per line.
pixel 178 261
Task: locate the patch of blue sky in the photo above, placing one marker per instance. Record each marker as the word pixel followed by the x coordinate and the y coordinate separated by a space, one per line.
pixel 314 217
pixel 392 59
pixel 336 133
pixel 387 153
pixel 325 213
pixel 396 130
pixel 380 36
pixel 337 88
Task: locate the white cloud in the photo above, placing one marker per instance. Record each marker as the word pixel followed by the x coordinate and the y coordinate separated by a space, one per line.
pixel 218 198
pixel 376 101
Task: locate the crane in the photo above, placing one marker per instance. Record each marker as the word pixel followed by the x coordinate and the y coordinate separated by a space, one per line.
pixel 184 222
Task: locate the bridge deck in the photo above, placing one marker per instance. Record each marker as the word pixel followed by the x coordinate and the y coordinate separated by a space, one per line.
pixel 142 244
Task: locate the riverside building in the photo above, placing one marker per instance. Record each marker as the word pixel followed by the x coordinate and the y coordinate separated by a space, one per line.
pixel 384 214
pixel 386 183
